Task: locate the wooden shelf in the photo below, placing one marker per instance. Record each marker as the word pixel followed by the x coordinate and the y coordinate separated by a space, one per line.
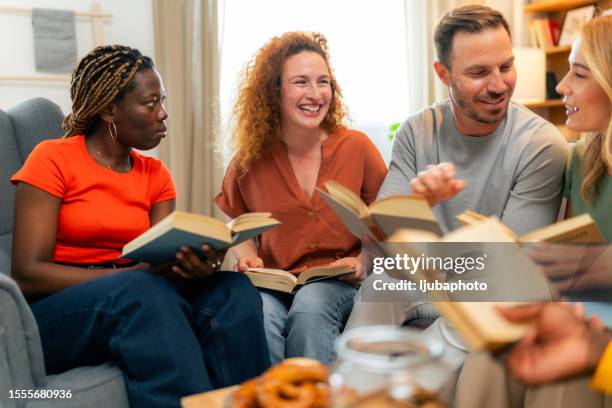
pixel 35 78
pixel 28 10
pixel 548 103
pixel 558 50
pixel 556 5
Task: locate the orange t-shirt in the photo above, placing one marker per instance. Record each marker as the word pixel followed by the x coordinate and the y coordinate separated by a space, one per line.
pixel 310 234
pixel 101 209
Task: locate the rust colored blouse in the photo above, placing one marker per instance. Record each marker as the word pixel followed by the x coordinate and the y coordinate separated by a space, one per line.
pixel 310 234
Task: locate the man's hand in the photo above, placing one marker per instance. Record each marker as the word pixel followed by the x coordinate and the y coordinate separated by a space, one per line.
pixel 247 262
pixel 437 183
pixel 353 263
pixel 563 345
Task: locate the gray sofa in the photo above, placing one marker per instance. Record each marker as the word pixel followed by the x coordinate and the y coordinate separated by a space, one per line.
pixel 21 358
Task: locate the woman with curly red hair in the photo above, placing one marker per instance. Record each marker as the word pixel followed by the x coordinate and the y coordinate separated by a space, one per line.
pixel 289 139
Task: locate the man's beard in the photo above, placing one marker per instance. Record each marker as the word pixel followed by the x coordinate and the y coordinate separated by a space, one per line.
pixel 488 117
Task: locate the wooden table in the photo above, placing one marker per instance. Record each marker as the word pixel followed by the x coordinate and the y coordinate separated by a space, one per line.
pixel 210 399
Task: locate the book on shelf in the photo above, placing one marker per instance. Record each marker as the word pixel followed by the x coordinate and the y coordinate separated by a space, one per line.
pixel 478 322
pixel 283 281
pixel 382 217
pixel 573 22
pixel 161 242
pixel 555 31
pixel 574 230
pixel 543 33
pixel 551 86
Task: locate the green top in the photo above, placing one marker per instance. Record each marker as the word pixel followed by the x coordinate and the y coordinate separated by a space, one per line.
pixel 601 211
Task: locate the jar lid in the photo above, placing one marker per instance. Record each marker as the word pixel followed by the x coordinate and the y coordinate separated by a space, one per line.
pixel 387 348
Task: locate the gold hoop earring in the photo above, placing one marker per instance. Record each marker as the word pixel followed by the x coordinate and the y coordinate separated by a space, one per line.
pixel 110 131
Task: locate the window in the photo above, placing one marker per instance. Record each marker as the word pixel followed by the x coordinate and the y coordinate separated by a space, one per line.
pixel 367 44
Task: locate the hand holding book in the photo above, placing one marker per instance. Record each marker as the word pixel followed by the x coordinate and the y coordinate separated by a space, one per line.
pixel 161 242
pixel 246 262
pixel 189 265
pixel 353 263
pixel 574 267
pixel 560 345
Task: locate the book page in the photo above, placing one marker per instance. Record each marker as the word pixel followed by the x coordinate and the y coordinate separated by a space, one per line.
pixel 409 211
pixel 322 271
pixel 247 220
pixel 250 228
pixel 491 326
pixel 274 272
pixel 353 223
pixel 579 229
pixel 346 197
pixel 410 206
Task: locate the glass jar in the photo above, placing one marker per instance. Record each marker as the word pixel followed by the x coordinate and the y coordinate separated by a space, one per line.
pixel 387 366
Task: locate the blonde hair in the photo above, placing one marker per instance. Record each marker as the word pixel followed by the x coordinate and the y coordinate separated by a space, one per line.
pixel 256 114
pixel 597 49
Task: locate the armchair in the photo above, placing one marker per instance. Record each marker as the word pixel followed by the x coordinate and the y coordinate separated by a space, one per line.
pixel 21 355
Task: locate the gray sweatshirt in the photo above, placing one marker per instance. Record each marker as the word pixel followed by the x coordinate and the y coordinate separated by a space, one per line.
pixel 515 173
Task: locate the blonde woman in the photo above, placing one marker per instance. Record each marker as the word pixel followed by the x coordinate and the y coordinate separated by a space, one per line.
pixel 587 94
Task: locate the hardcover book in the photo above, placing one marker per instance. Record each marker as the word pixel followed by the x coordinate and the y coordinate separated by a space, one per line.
pixel 161 242
pixel 283 281
pixel 381 218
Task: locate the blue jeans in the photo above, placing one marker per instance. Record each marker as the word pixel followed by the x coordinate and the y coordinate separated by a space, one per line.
pixel 169 342
pixel 307 323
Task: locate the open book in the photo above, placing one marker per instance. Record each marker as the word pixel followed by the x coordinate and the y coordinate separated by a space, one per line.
pixel 283 281
pixel 161 242
pixel 579 229
pixel 381 218
pixel 508 270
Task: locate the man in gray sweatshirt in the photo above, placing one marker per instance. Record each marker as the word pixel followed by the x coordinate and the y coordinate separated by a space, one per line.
pixel 476 151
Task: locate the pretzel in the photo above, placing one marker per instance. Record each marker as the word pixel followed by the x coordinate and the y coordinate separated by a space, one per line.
pixel 294 383
pixel 298 370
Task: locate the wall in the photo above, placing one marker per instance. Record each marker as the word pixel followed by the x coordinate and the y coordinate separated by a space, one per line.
pixel 132 24
pixel 513 12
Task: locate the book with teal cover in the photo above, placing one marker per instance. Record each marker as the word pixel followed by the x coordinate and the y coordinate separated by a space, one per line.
pixel 161 242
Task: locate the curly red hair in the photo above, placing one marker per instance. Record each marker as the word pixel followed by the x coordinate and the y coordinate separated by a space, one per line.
pixel 257 114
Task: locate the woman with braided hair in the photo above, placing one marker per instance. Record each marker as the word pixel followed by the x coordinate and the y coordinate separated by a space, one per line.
pixel 173 329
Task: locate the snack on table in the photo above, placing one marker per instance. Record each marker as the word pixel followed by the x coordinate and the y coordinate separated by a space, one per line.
pixel 294 383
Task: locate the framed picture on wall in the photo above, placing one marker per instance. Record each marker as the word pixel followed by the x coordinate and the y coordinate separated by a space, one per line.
pixel 573 22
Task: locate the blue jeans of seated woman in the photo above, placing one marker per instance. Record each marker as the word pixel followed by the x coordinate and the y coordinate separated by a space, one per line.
pixel 307 323
pixel 169 342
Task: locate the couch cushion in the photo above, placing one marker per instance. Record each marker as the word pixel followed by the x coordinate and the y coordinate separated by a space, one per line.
pixel 34 121
pixel 92 387
pixel 21 128
pixel 20 343
pixel 10 162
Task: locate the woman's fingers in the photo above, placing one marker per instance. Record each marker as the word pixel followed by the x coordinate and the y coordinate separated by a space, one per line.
pixel 191 256
pixel 520 313
pixel 180 272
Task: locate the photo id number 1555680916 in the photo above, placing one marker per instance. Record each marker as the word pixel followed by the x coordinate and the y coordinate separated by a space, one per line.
pixel 40 394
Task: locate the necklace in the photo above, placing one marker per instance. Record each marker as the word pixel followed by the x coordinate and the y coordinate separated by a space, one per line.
pixel 107 162
pixel 102 159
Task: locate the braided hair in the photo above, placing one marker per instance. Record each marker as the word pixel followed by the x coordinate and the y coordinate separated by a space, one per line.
pixel 103 76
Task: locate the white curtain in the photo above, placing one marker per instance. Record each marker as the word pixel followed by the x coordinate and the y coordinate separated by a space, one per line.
pixel 187 57
pixel 421 17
